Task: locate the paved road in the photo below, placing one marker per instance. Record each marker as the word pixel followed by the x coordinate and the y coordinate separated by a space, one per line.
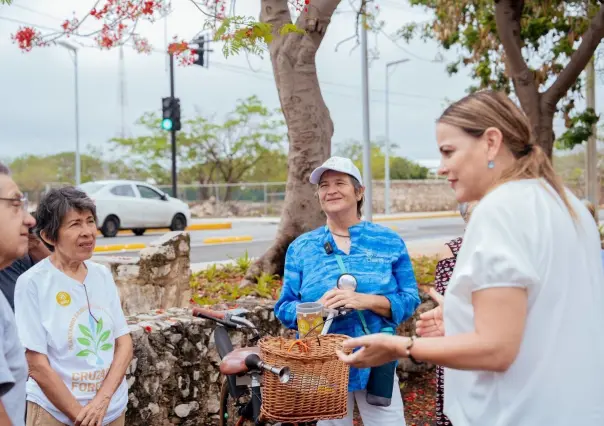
pixel 264 233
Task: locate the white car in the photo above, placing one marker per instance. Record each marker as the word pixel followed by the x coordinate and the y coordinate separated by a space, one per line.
pixel 138 206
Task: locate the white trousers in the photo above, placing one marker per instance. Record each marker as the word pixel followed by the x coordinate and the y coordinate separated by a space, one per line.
pixel 394 415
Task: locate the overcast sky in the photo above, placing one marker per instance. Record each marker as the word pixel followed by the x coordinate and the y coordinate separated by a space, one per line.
pixel 37 108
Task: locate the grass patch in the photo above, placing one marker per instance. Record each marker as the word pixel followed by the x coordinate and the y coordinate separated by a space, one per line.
pixel 220 283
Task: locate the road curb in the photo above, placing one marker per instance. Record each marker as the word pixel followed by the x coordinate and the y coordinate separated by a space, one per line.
pixel 222 240
pixel 119 247
pixel 435 215
pixel 209 226
pixel 193 227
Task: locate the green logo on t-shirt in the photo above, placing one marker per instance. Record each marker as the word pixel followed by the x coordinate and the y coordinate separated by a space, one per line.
pixel 94 340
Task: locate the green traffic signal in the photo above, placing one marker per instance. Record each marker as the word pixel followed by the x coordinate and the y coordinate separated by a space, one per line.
pixel 166 124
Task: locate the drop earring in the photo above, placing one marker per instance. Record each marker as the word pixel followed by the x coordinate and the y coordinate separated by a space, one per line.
pixel 491 164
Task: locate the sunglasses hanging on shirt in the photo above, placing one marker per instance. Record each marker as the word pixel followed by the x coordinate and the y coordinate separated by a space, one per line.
pixel 88 302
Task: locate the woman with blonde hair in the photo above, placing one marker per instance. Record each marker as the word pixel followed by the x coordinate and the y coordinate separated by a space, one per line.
pixel 518 330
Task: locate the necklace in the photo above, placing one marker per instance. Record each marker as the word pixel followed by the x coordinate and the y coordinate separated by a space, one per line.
pixel 340 235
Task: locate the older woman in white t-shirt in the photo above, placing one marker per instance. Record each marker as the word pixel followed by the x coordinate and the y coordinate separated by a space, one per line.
pixel 71 322
pixel 520 335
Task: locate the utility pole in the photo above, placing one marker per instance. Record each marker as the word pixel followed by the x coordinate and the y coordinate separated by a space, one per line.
pixel 173 132
pixel 366 130
pixel 591 153
pixel 171 105
pixel 387 153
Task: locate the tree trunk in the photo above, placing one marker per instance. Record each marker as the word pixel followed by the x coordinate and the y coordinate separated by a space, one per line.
pixel 309 123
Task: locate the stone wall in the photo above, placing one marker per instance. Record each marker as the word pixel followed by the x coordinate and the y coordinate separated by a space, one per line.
pixel 158 278
pixel 406 196
pixel 174 376
pixel 415 196
pixel 432 195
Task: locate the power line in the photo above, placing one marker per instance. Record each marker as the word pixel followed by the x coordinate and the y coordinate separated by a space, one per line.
pixel 37 12
pixel 250 72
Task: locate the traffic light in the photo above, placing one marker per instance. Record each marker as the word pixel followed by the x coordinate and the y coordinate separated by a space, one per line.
pixel 170 114
pixel 199 51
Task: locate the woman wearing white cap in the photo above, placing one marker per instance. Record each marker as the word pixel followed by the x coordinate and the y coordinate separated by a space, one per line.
pixel 386 292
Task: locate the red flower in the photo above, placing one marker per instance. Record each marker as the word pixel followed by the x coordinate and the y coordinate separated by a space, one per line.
pixel 26 38
pixel 148 329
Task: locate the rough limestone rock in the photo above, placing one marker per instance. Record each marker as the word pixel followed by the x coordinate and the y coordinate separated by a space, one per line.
pixel 158 278
pixel 174 377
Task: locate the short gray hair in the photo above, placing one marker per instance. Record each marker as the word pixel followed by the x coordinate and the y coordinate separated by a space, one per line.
pixel 55 205
pixel 357 188
pixel 4 170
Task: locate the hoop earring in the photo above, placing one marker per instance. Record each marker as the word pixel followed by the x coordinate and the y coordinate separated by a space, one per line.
pixel 491 164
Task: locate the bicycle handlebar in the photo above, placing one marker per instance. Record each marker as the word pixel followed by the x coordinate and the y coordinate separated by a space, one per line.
pixel 208 313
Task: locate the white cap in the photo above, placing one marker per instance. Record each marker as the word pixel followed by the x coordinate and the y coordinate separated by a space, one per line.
pixel 337 164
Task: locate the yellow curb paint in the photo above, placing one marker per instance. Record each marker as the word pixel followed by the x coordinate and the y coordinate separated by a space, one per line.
pixel 434 215
pixel 119 247
pixel 220 240
pixel 209 226
pixel 193 227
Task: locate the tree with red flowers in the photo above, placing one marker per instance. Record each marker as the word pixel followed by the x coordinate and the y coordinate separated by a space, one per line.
pixel 293 31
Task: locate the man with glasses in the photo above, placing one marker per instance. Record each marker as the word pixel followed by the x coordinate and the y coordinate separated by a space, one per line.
pixel 8 276
pixel 15 223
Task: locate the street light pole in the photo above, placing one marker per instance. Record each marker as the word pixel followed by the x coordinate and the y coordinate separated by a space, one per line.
pixel 78 170
pixel 366 130
pixel 387 154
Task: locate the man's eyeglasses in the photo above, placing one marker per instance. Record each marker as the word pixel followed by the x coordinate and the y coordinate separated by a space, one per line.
pixel 18 201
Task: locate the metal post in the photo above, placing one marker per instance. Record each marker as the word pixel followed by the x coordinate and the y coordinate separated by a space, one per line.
pixel 591 153
pixel 74 50
pixel 173 133
pixel 78 165
pixel 265 199
pixel 387 150
pixel 366 130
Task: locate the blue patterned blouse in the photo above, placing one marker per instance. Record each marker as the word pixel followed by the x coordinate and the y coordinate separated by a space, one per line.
pixel 378 259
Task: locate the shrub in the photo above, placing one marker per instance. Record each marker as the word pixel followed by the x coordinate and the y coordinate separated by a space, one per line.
pixel 220 283
pixel 424 267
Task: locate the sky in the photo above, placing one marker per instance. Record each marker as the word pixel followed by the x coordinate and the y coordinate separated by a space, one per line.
pixel 37 87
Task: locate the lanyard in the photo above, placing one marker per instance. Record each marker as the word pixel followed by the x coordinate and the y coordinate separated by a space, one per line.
pixel 361 316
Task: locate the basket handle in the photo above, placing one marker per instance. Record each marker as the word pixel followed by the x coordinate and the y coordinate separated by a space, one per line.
pixel 302 346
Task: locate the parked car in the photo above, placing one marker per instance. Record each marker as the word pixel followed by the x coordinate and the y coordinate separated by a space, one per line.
pixel 138 206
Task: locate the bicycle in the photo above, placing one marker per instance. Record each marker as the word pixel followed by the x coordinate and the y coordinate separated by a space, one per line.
pixel 242 367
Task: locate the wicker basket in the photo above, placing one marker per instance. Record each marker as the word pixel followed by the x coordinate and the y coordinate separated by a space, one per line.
pixel 318 387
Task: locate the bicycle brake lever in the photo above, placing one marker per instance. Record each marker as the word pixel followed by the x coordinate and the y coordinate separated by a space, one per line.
pixel 237 312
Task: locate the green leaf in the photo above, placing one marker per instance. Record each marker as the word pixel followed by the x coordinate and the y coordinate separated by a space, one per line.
pixel 105 335
pixel 85 331
pixel 106 346
pixel 84 353
pixel 99 326
pixel 84 341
